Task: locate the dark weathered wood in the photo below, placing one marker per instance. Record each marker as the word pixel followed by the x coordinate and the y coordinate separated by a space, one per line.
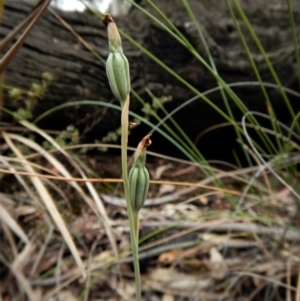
pixel 79 75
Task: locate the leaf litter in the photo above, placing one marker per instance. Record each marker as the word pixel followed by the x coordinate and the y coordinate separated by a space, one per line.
pixel 193 248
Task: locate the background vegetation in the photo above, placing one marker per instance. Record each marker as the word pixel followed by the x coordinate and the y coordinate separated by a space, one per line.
pixel 210 229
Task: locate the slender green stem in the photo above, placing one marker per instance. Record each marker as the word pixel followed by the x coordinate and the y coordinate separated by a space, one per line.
pixel 132 223
pixel 136 225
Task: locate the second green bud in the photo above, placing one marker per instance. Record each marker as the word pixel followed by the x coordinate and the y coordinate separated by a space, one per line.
pixel 139 178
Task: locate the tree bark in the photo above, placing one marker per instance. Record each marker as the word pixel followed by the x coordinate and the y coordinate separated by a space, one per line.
pixel 79 75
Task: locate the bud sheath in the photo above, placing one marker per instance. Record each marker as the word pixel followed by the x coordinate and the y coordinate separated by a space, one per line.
pixel 139 176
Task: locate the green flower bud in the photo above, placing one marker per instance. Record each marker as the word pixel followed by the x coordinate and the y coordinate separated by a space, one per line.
pixel 138 186
pixel 139 178
pixel 117 66
pixel 117 70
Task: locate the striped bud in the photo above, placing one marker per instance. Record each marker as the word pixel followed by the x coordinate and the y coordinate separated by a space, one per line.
pixel 138 186
pixel 117 70
pixel 139 176
pixel 117 67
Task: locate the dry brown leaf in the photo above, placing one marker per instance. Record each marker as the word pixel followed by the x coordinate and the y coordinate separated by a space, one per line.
pixel 47 262
pixel 218 263
pixel 11 222
pixel 103 256
pixel 258 281
pixel 162 278
pixel 129 288
pixel 6 201
pixel 160 170
pixel 168 257
pixel 167 297
pixel 203 200
pixel 220 195
pixel 66 296
pixel 166 188
pixel 24 210
pixel 216 257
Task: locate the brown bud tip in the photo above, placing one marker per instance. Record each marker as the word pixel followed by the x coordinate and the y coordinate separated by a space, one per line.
pixel 146 141
pixel 107 19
